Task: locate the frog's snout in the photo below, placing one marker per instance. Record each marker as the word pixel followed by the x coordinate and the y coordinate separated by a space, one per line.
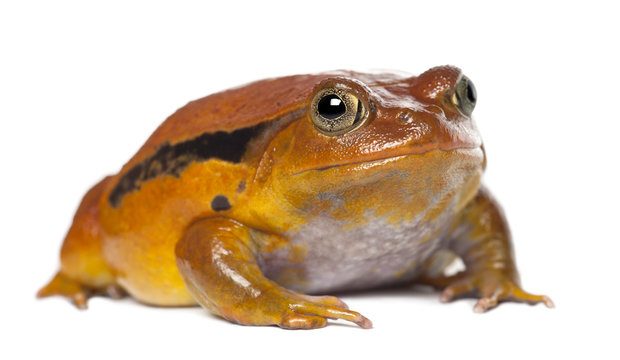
pixel 429 128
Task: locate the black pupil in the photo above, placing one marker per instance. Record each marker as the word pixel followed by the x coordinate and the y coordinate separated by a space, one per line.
pixel 331 107
pixel 471 92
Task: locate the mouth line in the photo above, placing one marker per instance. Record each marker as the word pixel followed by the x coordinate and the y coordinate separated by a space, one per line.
pixel 387 159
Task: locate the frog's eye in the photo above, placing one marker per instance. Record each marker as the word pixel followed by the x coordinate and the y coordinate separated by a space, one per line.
pixel 335 111
pixel 464 96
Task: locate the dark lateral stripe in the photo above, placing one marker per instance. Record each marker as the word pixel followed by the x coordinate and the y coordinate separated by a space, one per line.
pixel 173 159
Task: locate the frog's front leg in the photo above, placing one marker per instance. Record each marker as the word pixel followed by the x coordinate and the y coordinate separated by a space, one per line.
pixel 216 261
pixel 482 239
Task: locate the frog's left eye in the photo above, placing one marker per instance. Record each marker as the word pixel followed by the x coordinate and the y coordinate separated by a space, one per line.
pixel 464 96
pixel 336 110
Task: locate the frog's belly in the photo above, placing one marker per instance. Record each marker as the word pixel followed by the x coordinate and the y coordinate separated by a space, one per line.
pixel 326 256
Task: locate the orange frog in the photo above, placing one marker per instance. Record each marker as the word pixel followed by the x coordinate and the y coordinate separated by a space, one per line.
pixel 247 200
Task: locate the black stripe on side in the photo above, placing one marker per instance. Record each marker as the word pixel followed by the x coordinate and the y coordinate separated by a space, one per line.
pixel 173 159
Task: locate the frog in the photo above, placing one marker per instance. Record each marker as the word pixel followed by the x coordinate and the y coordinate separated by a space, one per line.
pixel 260 201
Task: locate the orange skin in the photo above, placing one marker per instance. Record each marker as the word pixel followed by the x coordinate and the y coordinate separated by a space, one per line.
pixel 394 199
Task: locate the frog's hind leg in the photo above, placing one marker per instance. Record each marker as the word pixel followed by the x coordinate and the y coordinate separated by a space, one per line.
pixel 83 271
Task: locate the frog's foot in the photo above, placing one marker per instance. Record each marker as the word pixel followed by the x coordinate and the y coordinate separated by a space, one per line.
pixel 491 286
pixel 313 311
pixel 76 292
pixel 63 286
pixel 291 310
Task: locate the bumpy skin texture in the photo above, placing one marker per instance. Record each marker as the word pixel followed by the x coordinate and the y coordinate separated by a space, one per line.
pixel 239 203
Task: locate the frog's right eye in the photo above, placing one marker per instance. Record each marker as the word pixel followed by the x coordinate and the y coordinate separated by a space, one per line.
pixel 464 96
pixel 336 110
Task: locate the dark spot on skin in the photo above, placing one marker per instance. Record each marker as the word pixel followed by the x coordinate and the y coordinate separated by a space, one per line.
pixel 220 203
pixel 241 186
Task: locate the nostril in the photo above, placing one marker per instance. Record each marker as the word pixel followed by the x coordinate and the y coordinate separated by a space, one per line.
pixel 417 127
pixel 405 117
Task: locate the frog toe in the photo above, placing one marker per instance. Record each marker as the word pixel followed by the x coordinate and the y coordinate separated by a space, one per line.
pixel 456 291
pixel 326 300
pixel 301 321
pixel 331 312
pixel 115 292
pixel 455 287
pixel 517 294
pixel 512 292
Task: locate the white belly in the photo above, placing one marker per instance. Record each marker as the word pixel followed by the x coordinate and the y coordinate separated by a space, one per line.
pixel 325 255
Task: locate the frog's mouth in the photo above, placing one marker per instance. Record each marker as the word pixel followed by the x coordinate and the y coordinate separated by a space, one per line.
pixel 473 153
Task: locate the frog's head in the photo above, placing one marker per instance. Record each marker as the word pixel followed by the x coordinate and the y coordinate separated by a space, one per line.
pixel 383 136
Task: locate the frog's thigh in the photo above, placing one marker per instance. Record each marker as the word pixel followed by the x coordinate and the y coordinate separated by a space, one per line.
pixel 216 262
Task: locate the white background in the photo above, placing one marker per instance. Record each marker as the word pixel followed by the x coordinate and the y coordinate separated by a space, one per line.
pixel 83 85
